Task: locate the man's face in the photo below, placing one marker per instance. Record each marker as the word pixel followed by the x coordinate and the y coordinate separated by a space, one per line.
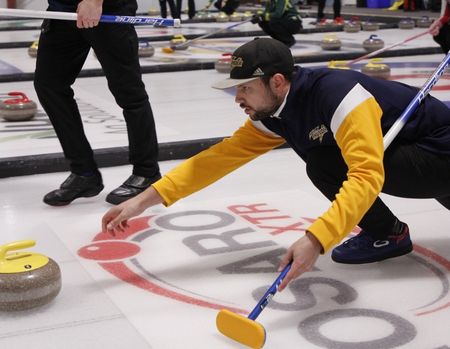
pixel 257 99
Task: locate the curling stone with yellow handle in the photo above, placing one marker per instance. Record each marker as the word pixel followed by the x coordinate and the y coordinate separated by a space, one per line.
pixel 179 42
pixel 331 43
pixel 32 50
pixel 27 279
pixel 222 17
pixel 236 17
pixel 377 69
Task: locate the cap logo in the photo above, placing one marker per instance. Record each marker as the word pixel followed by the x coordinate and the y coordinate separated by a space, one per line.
pixel 258 72
pixel 236 62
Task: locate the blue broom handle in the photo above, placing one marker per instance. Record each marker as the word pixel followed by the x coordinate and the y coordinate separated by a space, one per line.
pixel 269 294
pixel 411 108
pixel 70 16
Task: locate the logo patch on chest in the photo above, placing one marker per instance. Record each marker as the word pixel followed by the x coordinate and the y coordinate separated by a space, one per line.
pixel 318 133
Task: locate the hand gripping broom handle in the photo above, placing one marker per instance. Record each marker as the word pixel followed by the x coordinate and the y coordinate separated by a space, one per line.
pixel 411 108
pixel 70 16
pixel 377 52
pixel 269 294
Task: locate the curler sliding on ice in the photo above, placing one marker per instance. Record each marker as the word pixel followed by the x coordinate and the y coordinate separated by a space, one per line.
pixel 337 121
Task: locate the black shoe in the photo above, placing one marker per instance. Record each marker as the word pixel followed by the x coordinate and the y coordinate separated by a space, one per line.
pixel 75 186
pixel 130 188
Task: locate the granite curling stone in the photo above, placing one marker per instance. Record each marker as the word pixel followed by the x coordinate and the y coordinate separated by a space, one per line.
pixel 406 23
pixel 17 109
pixel 424 22
pixel 201 15
pixel 179 42
pixel 27 279
pixel 370 26
pixel 222 17
pixel 373 43
pixel 32 50
pixel 247 15
pixel 235 17
pixel 352 27
pixel 330 42
pixel 223 65
pixel 145 49
pixel 376 69
pixel 153 12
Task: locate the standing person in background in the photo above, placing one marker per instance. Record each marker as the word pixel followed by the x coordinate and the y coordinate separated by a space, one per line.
pixel 440 29
pixel 280 20
pixel 191 8
pixel 63 48
pixel 227 6
pixel 175 13
pixel 337 19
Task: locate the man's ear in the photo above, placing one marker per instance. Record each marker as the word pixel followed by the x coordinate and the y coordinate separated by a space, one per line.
pixel 278 81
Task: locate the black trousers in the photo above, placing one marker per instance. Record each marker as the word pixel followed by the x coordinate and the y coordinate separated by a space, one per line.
pixel 321 8
pixel 443 38
pixel 282 29
pixel 63 49
pixel 410 172
pixel 191 8
pixel 173 8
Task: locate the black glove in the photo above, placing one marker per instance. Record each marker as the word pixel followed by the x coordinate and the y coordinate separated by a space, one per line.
pixel 257 18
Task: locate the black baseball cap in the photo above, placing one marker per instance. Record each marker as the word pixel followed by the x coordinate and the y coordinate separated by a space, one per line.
pixel 257 58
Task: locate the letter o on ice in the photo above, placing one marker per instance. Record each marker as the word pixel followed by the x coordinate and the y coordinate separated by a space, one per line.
pixel 403 333
pixel 223 220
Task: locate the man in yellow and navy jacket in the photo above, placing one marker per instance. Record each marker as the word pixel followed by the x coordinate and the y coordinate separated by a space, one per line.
pixel 335 121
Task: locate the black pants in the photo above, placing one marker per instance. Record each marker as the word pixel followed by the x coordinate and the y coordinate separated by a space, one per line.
pixel 443 38
pixel 191 8
pixel 173 8
pixel 410 172
pixel 282 29
pixel 321 8
pixel 63 49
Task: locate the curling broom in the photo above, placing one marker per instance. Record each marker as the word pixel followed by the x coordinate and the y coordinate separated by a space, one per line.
pixel 70 16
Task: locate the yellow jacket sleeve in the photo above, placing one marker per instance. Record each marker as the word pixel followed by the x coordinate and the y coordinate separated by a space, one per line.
pixel 360 139
pixel 208 166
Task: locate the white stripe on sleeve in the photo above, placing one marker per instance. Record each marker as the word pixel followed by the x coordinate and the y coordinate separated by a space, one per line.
pixel 355 97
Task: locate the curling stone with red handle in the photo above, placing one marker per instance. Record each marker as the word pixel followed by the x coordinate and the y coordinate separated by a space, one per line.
pixel 17 109
pixel 27 279
pixel 223 65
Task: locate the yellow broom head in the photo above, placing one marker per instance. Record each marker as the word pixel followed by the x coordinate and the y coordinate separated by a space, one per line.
pixel 167 50
pixel 241 329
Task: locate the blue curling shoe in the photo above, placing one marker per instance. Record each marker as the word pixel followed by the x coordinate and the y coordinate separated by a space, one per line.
pixel 364 248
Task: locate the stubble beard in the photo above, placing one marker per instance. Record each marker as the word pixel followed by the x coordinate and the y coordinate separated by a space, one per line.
pixel 267 111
